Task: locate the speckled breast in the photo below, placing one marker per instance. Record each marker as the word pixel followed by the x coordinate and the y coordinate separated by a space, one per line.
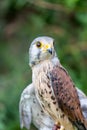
pixel 45 94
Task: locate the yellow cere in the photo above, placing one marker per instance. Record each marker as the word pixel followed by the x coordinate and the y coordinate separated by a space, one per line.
pixel 45 47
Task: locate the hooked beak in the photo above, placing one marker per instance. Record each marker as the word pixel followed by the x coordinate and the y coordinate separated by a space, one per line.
pixel 49 50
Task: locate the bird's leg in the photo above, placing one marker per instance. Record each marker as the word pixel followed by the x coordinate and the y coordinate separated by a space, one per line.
pixel 57 126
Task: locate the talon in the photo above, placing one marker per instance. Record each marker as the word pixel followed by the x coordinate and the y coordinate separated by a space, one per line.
pixel 56 126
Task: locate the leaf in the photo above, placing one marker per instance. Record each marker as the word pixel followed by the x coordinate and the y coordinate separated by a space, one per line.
pixel 71 3
pixel 82 17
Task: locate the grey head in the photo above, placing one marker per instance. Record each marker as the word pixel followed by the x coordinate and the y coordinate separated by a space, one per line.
pixel 41 48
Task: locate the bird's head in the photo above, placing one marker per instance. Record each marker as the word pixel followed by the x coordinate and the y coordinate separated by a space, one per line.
pixel 42 48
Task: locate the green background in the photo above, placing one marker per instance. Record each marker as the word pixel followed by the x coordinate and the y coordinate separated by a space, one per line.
pixel 22 21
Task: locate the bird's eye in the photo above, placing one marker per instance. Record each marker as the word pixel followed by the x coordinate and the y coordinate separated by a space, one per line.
pixel 38 44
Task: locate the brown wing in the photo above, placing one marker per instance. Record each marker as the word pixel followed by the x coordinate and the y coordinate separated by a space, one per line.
pixel 66 94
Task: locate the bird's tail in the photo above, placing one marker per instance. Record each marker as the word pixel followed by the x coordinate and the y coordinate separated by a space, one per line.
pixel 81 126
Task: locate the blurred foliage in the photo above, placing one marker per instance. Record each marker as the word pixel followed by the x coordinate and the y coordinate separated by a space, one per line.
pixel 20 22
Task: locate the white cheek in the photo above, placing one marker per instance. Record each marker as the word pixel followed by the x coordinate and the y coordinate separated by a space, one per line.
pixel 35 51
pixel 45 55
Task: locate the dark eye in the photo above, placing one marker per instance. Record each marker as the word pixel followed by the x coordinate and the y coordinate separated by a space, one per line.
pixel 38 44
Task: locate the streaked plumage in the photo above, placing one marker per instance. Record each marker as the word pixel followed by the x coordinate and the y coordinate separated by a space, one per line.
pixel 31 111
pixel 54 88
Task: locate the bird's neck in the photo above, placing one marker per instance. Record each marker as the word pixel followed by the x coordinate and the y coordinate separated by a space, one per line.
pixel 43 68
pixel 54 61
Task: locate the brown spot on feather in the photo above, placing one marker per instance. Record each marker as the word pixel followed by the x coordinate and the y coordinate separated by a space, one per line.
pixel 54 102
pixel 66 94
pixel 52 97
pixel 50 92
pixel 49 105
pixel 56 109
pixel 48 85
pixel 62 116
pixel 45 90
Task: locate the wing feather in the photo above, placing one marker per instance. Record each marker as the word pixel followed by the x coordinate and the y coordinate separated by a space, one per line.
pixel 25 116
pixel 25 112
pixel 66 94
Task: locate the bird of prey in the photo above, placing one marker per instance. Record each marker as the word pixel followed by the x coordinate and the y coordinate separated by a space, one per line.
pixel 31 111
pixel 54 87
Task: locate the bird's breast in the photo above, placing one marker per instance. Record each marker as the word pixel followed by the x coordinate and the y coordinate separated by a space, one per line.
pixel 42 83
pixel 45 94
pixel 41 78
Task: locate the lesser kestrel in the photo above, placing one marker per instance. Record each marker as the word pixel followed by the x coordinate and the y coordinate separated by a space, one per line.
pixel 54 87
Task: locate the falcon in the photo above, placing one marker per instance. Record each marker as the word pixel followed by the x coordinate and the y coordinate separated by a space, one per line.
pixel 54 87
pixel 31 112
